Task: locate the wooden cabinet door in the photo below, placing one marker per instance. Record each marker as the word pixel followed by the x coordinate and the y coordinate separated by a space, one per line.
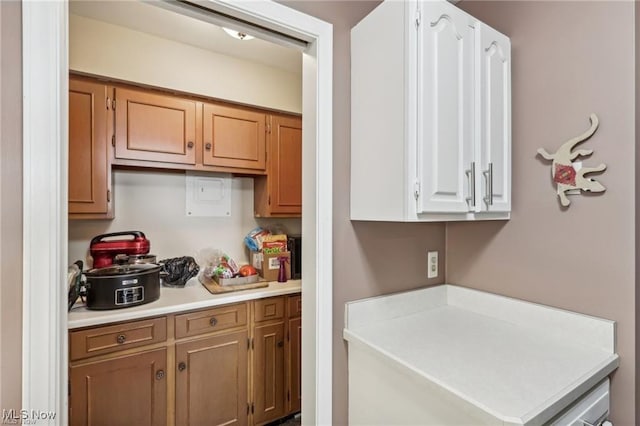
pixel 268 373
pixel 445 102
pixel 294 365
pixel 495 124
pixel 211 380
pixel 155 127
pixel 280 192
pixel 127 390
pixel 233 137
pixel 285 165
pixel 89 169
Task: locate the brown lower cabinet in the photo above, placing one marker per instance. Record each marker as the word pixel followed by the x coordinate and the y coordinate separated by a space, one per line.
pixel 211 380
pixel 236 364
pixel 268 361
pixel 121 390
pixel 294 353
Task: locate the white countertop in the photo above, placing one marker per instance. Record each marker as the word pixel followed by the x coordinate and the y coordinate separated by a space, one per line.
pixel 518 362
pixel 192 296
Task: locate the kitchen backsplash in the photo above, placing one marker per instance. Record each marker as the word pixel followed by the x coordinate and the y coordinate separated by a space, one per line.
pixel 154 203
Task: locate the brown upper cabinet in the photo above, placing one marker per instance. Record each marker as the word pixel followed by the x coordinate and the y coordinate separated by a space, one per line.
pixel 233 137
pixel 279 193
pixel 122 125
pixel 89 169
pixel 155 127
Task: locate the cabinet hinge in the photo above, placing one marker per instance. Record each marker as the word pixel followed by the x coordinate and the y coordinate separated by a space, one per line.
pixel 253 346
pixel 108 195
pixel 113 104
pixel 288 337
pixel 248 408
pixel 69 388
pixel 252 408
pixel 418 18
pixel 416 190
pixel 113 140
pixel 268 128
pixel 248 343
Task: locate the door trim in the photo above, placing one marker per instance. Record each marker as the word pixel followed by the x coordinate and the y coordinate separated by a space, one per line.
pixel 45 143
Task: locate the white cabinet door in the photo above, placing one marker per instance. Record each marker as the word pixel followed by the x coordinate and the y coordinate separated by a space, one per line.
pixel 494 111
pixel 445 103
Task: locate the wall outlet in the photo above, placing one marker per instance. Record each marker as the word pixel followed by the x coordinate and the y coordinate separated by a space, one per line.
pixel 432 264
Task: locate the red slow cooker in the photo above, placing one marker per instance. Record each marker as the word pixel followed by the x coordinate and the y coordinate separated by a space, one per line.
pixel 104 250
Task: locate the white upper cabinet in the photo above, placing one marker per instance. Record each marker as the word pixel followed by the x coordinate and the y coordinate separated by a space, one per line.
pixel 430 115
pixel 494 114
pixel 445 107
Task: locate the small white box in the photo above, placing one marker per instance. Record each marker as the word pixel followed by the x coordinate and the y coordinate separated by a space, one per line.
pixel 208 194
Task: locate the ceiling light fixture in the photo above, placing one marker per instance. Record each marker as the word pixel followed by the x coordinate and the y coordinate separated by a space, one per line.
pixel 237 34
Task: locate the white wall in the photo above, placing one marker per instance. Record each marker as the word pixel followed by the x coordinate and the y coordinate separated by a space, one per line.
pixel 154 203
pixel 108 50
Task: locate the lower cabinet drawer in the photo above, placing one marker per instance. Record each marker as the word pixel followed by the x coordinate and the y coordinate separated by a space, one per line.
pixel 269 309
pixel 103 340
pixel 210 320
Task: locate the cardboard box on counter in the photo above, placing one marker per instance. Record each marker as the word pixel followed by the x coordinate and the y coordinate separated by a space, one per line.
pixel 268 265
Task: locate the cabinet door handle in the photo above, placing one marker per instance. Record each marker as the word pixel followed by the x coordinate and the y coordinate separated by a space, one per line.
pixel 280 344
pixel 488 174
pixel 160 374
pixel 189 144
pixel 471 175
pixel 182 366
pixel 208 147
pixel 213 321
pixel 121 338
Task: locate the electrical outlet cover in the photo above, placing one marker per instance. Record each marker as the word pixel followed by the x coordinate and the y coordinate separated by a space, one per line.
pixel 432 264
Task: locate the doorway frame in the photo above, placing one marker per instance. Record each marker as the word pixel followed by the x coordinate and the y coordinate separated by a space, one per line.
pixel 45 180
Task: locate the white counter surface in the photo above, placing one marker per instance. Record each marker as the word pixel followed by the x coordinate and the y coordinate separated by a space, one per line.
pixel 192 296
pixel 516 362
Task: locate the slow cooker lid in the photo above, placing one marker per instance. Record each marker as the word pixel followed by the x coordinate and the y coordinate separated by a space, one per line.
pixel 117 270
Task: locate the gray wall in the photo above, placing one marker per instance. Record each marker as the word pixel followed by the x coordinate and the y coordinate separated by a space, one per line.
pixel 569 59
pixel 10 204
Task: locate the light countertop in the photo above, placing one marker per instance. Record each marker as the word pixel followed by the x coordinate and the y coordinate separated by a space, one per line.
pixel 192 296
pixel 518 362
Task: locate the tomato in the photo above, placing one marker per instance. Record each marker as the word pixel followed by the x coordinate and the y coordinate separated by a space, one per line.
pixel 247 270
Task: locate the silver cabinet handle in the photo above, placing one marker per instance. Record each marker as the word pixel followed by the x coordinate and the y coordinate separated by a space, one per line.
pixel 471 176
pixel 488 174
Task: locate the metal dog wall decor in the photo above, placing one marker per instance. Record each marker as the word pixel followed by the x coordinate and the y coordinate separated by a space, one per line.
pixel 564 172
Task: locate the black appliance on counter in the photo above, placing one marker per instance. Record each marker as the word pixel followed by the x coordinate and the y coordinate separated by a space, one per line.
pixel 121 286
pixel 294 245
